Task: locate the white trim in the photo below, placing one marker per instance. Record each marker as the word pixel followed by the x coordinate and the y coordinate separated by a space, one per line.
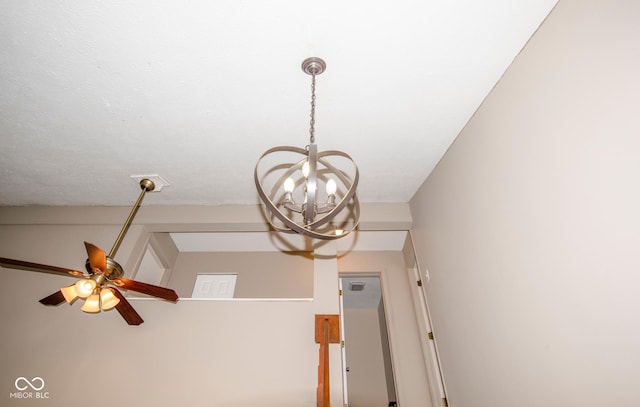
pixel 227 299
pixel 387 303
pixel 345 394
pixel 422 308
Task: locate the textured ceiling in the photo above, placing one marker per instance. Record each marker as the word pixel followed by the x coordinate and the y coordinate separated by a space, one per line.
pixel 92 92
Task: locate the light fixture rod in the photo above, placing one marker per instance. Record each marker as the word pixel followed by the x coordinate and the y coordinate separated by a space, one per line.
pixel 312 184
pixel 146 185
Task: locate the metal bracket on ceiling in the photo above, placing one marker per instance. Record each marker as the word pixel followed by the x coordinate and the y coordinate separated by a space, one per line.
pixel 157 180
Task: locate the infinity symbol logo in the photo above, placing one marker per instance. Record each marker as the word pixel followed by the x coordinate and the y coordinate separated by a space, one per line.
pixel 28 383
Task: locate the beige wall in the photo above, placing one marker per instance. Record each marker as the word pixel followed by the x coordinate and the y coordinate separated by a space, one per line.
pixel 165 249
pixel 260 274
pixel 530 225
pixel 189 353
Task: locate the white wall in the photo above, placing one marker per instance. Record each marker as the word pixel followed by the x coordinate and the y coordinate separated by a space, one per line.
pixel 530 225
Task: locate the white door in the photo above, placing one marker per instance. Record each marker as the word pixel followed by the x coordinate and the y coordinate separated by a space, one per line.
pixel 344 354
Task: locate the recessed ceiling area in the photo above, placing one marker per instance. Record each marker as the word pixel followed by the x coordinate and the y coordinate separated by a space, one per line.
pixel 367 297
pixel 93 92
pixel 273 242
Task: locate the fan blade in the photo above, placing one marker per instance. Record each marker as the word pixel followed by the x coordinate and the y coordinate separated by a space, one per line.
pixel 54 299
pixel 126 310
pixel 144 288
pixel 97 257
pixel 42 268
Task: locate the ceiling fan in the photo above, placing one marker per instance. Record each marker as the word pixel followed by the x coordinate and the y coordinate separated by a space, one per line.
pixel 100 285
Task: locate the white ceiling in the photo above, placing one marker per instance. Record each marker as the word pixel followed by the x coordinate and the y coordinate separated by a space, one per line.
pixel 92 92
pixel 369 297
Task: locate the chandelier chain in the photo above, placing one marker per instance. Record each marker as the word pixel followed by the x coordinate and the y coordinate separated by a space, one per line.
pixel 312 122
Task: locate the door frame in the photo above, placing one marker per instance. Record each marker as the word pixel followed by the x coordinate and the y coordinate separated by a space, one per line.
pixel 385 304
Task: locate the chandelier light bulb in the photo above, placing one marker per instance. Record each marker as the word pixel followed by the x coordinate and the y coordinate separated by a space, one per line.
pixel 305 169
pixel 84 288
pixel 289 185
pixel 331 187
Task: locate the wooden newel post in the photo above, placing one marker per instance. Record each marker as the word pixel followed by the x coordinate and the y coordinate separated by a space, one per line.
pixel 327 331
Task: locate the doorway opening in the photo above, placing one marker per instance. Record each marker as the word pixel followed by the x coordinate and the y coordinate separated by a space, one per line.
pixel 368 370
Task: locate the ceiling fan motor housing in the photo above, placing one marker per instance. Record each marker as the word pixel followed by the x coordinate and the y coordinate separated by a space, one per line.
pixel 113 270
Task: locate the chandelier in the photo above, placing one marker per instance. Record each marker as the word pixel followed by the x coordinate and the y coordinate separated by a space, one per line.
pixel 294 200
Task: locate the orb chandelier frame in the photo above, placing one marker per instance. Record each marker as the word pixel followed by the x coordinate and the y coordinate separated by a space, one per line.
pixel 300 207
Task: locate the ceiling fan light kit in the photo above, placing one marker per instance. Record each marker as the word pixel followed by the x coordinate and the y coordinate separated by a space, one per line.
pixel 99 287
pixel 288 178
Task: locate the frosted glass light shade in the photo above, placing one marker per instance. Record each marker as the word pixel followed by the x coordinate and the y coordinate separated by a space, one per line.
pixel 92 304
pixel 69 293
pixel 84 288
pixel 108 299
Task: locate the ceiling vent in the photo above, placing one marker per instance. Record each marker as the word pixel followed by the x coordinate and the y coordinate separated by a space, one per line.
pixel 356 286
